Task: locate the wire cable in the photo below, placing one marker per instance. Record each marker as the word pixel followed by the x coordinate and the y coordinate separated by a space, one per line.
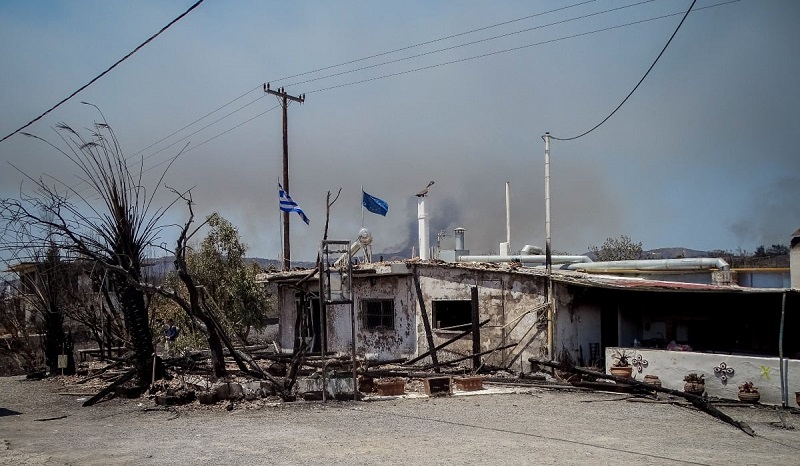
pixel 466 44
pixel 619 26
pixel 363 59
pixel 433 41
pixel 637 84
pixel 106 71
pixel 197 120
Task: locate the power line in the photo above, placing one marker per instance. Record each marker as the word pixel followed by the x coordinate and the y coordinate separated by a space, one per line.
pixel 199 119
pixel 420 44
pixel 637 84
pixel 106 71
pixel 572 36
pixel 433 41
pixel 473 42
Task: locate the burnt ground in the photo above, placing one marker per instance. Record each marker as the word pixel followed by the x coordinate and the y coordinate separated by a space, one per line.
pixel 534 426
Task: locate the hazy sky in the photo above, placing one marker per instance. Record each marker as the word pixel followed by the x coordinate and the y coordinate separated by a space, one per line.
pixel 704 155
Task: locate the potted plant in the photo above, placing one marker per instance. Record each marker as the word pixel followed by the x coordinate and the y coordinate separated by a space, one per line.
pixel 694 384
pixel 749 392
pixel 621 366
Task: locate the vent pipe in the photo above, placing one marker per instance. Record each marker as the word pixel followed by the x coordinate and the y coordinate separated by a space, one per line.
pixel 422 216
pixel 459 233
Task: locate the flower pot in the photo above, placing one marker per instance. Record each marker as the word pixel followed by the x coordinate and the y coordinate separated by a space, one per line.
pixel 468 384
pixel 391 387
pixel 652 380
pixel 749 397
pixel 622 371
pixel 694 388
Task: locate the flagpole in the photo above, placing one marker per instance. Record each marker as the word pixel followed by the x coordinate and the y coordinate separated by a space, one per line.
pixel 362 206
pixel 280 225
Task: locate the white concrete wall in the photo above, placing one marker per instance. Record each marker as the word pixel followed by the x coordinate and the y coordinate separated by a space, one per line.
pixel 376 344
pixel 672 366
pixel 794 264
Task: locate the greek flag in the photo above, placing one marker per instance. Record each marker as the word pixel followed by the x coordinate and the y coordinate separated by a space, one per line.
pixel 373 204
pixel 288 204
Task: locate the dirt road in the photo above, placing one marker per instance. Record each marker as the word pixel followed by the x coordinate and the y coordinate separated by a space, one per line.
pixel 536 427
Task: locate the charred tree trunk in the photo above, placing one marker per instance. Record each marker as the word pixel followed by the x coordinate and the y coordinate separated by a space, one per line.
pixel 132 303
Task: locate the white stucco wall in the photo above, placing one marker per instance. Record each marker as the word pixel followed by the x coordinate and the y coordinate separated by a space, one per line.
pixel 672 366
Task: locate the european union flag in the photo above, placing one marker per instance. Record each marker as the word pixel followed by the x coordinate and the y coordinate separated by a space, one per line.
pixel 374 205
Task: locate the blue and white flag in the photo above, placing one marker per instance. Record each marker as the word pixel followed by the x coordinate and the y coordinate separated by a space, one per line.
pixel 288 204
pixel 374 205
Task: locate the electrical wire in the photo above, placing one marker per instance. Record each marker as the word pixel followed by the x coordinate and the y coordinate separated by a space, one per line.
pixel 420 44
pixel 466 44
pixel 433 41
pixel 572 36
pixel 637 84
pixel 212 138
pixel 197 120
pixel 106 71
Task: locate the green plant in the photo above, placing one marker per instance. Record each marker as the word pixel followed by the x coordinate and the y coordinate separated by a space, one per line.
pixel 748 387
pixel 621 357
pixel 694 378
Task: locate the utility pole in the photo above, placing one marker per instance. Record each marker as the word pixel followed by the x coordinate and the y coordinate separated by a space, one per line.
pixel 284 99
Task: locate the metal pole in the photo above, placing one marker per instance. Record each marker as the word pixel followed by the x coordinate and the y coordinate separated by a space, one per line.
pixel 548 251
pixel 286 247
pixel 476 330
pixel 508 215
pixel 784 381
pixel 352 324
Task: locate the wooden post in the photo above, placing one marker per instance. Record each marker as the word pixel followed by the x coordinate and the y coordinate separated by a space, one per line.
pixel 476 330
pixel 426 322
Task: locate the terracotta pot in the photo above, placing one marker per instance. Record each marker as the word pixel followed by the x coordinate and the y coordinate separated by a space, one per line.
pixel 694 388
pixel 749 397
pixel 652 380
pixel 469 383
pixel 622 371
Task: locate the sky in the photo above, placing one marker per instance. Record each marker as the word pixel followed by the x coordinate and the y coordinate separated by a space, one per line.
pixel 702 156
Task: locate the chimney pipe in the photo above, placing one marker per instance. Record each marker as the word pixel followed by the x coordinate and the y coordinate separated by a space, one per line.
pixel 424 234
pixel 459 233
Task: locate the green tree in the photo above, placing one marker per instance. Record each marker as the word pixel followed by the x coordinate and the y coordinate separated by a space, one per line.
pixel 618 249
pixel 229 281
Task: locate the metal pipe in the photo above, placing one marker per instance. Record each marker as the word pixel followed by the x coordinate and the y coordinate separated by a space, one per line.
pixel 528 250
pixel 696 263
pixel 508 214
pixel 784 380
pixel 536 259
pixel 422 216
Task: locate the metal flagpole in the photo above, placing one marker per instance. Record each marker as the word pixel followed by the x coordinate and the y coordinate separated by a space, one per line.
pixel 362 206
pixel 280 223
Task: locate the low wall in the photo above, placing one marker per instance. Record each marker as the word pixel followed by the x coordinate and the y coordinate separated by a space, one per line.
pixel 672 366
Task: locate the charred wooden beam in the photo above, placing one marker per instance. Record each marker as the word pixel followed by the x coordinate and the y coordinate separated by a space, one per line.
pixel 698 401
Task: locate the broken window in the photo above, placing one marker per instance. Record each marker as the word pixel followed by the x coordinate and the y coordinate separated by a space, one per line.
pixel 378 314
pixel 452 315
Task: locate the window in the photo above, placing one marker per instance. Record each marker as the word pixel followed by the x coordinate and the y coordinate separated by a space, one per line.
pixel 378 314
pixel 449 314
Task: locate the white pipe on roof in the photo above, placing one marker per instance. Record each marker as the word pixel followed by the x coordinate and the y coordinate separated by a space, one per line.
pixel 694 263
pixel 536 259
pixel 528 250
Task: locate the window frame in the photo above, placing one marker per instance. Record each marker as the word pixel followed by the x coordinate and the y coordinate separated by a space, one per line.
pixel 384 316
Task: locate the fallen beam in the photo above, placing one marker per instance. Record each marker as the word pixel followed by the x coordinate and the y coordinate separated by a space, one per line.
pixel 445 344
pixel 698 401
pixel 102 393
pixel 453 361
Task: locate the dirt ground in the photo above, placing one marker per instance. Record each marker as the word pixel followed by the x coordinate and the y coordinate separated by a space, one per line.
pixel 38 425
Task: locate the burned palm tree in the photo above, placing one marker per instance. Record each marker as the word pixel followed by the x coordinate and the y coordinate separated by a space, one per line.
pixel 115 231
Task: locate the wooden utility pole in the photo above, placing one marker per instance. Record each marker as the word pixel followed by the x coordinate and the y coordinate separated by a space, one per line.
pixel 284 99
